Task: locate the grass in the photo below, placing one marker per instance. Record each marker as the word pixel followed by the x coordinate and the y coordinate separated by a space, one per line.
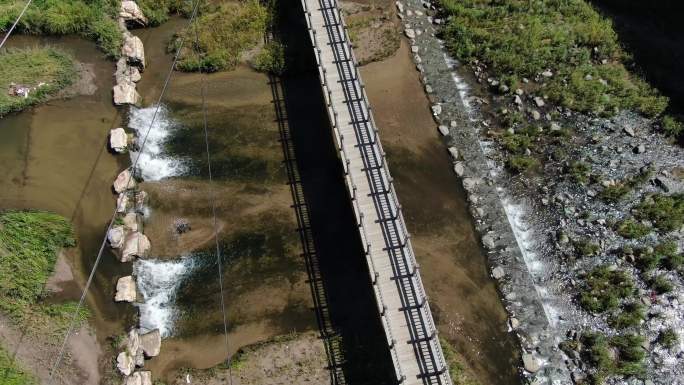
pixel 671 126
pixel 662 255
pixel 521 163
pixel 661 285
pixel 157 11
pixel 94 19
pixel 11 373
pixel 580 172
pixel 631 229
pixel 29 244
pixel 616 192
pixel 520 39
pixel 225 34
pixel 271 59
pixel 586 248
pixel 668 338
pixel 31 67
pixel 632 314
pixel 456 368
pixel 627 359
pixel 666 212
pixel 605 288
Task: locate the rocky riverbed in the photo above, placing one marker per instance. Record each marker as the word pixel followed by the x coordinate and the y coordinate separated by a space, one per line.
pixel 534 224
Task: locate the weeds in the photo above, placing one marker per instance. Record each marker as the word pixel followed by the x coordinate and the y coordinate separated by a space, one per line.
pixel 605 288
pixel 668 338
pixel 666 212
pixel 632 229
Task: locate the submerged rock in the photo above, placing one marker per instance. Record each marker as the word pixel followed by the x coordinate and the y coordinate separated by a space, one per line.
pixel 131 12
pixel 125 93
pixel 125 290
pixel 118 140
pixel 151 343
pixel 124 181
pixel 136 245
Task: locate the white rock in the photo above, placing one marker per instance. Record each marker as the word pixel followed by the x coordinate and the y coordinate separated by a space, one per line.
pixel 125 93
pixel 400 6
pixel 536 115
pixel 410 33
pixel 151 343
pixel 133 342
pixel 436 109
pixel 130 222
pixel 539 101
pixel 547 74
pixel 530 363
pixel 629 130
pixel 116 236
pixel 131 12
pixel 428 88
pixel 444 130
pixel 497 272
pixel 414 49
pixel 469 183
pixel 453 151
pixel 135 245
pixel 145 377
pixel 513 323
pixel 125 290
pixel 555 126
pixel 459 168
pixel 126 73
pixel 118 139
pixel 519 91
pixel 517 100
pixel 133 50
pixel 124 181
pixel 125 363
pixel 122 203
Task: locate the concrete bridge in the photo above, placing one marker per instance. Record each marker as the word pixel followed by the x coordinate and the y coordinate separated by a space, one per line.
pixel 402 303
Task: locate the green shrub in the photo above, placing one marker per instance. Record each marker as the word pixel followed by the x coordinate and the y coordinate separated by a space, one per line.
pixel 604 288
pixel 668 338
pixel 31 67
pixel 11 373
pixel 631 315
pixel 521 163
pixel 271 59
pixel 586 248
pixel 669 257
pixel 580 172
pixel 666 212
pixel 522 38
pixel 614 193
pixel 632 229
pixel 596 352
pixel 672 126
pixel 661 284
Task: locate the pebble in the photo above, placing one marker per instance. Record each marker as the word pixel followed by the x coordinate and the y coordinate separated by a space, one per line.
pixel 410 33
pixel 436 109
pixel 539 101
pixel 414 48
pixel 536 115
pixel 444 130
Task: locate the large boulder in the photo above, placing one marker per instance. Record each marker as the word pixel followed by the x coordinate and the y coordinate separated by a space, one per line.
pixel 139 378
pixel 125 363
pixel 131 12
pixel 125 93
pixel 126 73
pixel 118 140
pixel 133 342
pixel 135 245
pixel 116 236
pixel 133 50
pixel 151 343
pixel 125 290
pixel 131 222
pixel 122 203
pixel 124 181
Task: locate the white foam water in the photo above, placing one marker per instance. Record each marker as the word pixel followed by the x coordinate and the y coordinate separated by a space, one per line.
pixel 158 282
pixel 153 164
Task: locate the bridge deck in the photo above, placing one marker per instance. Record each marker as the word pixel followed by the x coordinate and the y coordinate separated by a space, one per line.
pixel 400 296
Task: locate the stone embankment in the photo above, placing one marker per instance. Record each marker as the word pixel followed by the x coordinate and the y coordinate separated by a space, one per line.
pixel 126 236
pixel 506 251
pixel 535 226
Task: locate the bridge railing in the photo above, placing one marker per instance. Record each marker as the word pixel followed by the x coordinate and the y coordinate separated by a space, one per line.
pixel 358 213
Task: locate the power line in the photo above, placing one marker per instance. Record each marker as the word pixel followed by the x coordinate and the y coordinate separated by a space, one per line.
pixel 21 14
pixel 219 260
pixel 74 316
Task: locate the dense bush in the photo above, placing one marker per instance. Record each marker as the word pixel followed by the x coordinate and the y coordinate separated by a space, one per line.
pixel 225 34
pixel 632 229
pixel 91 18
pixel 521 38
pixel 605 288
pixel 30 67
pixel 271 59
pixel 666 212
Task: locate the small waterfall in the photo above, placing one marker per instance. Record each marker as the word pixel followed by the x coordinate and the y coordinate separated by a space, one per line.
pixel 158 282
pixel 153 164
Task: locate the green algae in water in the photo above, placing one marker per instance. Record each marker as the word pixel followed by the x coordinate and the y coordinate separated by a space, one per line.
pixel 243 143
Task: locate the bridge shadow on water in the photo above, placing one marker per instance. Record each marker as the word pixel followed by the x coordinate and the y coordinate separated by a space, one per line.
pixel 338 275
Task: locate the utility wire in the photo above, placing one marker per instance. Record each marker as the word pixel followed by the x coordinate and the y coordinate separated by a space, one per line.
pixel 21 14
pixel 74 316
pixel 219 259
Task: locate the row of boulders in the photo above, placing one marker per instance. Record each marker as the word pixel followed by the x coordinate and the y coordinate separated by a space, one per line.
pixel 132 60
pixel 125 235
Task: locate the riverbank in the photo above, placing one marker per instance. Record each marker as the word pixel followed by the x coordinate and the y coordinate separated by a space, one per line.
pixel 547 229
